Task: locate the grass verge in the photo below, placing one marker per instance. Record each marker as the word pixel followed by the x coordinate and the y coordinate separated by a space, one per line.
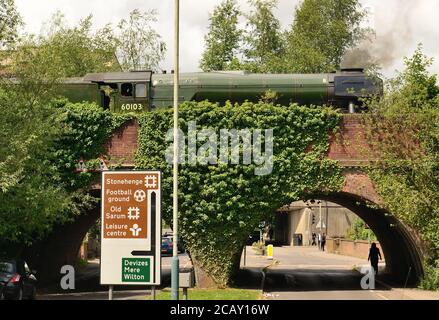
pixel 212 294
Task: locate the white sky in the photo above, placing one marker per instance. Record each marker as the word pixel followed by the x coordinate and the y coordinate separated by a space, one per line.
pixel 400 24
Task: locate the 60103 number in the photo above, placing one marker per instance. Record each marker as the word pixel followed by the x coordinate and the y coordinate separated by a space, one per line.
pixel 132 107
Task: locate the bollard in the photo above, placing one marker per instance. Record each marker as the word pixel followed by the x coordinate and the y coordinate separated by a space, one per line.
pixel 270 252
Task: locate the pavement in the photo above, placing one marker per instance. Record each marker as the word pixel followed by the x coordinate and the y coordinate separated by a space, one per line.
pixel 295 273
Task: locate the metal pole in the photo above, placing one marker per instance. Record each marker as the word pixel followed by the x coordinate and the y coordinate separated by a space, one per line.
pixel 245 253
pixel 327 218
pixel 309 226
pixel 110 293
pixel 175 261
pixel 320 215
pixel 153 292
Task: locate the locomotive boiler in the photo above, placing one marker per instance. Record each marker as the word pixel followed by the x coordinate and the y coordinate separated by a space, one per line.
pixel 142 91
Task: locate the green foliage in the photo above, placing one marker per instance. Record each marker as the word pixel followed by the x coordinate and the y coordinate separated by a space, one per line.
pixel 431 278
pixel 139 45
pixel 212 294
pixel 30 198
pixel 78 50
pixel 85 128
pixel 358 231
pixel 40 185
pixel 10 21
pixel 71 51
pixel 269 96
pixel 43 138
pixel 321 34
pixel 263 39
pixel 403 131
pixel 223 38
pixel 220 205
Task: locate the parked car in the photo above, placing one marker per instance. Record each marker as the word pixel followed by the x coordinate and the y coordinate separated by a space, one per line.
pixel 17 280
pixel 180 244
pixel 167 245
pixel 2 286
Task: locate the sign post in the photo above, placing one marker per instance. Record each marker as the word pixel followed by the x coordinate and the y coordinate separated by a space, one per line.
pixel 131 228
pixel 175 261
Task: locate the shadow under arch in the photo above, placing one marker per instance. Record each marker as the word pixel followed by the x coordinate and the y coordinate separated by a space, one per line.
pixel 62 246
pixel 399 244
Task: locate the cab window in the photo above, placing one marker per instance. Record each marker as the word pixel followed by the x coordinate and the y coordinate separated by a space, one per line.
pixel 141 90
pixel 126 89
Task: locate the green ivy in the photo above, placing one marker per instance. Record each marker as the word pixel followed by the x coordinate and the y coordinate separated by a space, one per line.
pixel 85 129
pixel 219 205
pixel 403 132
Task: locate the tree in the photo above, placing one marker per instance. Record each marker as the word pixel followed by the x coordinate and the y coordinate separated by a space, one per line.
pixel 139 46
pixel 10 21
pixel 34 191
pixel 76 50
pixel 263 39
pixel 321 34
pixel 31 197
pixel 402 129
pixel 360 231
pixel 223 39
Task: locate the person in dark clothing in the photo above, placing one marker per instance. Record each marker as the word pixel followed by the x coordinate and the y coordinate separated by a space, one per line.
pixel 323 242
pixel 374 254
pixel 314 240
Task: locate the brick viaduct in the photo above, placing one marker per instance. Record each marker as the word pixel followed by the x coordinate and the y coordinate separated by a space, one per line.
pixel 402 247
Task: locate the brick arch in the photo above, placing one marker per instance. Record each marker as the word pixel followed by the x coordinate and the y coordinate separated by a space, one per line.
pixel 401 245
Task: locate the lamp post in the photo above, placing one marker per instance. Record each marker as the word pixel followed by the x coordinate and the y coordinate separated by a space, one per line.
pixel 175 261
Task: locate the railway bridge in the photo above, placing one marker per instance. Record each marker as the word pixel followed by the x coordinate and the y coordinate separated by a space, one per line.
pixel 401 245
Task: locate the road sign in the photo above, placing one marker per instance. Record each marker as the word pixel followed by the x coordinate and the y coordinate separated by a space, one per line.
pixel 131 228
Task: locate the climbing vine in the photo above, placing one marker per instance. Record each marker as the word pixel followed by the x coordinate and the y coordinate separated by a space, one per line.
pixel 403 132
pixel 220 204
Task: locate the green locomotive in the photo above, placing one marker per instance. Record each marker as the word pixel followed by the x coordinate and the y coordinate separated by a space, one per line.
pixel 145 91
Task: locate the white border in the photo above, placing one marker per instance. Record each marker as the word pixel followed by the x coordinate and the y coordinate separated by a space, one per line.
pixel 111 261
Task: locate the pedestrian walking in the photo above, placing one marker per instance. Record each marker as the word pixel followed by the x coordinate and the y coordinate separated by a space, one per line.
pixel 323 242
pixel 374 255
pixel 313 240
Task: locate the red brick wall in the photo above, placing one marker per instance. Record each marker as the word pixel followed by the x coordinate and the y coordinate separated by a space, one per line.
pixel 359 184
pixel 123 144
pixel 357 249
pixel 349 146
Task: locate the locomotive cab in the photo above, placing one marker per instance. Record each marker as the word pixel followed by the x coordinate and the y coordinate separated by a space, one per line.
pixel 123 91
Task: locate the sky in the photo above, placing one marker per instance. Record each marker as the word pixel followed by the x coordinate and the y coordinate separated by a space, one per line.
pixel 399 24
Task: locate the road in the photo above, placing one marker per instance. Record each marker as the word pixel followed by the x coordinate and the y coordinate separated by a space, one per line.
pixel 296 273
pixel 304 273
pixel 87 286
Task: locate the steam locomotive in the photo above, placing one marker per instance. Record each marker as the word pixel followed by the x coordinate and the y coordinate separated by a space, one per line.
pixel 142 91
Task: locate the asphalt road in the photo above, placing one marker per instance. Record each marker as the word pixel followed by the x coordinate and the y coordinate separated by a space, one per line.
pixel 296 273
pixel 87 283
pixel 303 273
